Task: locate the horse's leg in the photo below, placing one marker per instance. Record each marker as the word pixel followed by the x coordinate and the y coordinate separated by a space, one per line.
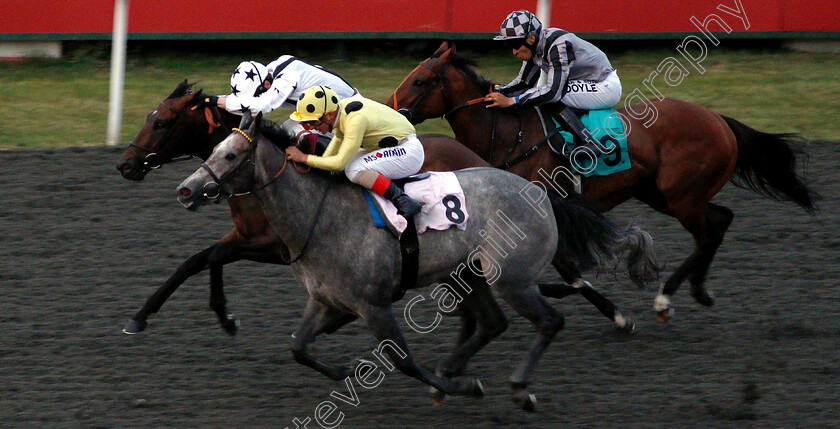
pixel 569 272
pixel 653 197
pixel 488 321
pixel 267 250
pixel 261 249
pixel 218 302
pixel 605 306
pixel 384 326
pixel 576 284
pixel 718 219
pixel 317 319
pixel 193 265
pixel 527 301
pixel 707 225
pixel 468 325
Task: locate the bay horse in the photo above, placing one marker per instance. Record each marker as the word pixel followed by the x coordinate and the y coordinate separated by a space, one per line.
pixel 351 269
pixel 678 163
pixel 183 126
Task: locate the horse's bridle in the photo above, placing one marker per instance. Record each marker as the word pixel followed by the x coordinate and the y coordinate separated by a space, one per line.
pixel 251 159
pixel 215 194
pixel 440 75
pixel 213 190
pixel 150 161
pixel 409 112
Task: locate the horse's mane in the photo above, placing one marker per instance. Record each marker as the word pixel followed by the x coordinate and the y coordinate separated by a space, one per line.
pixel 268 128
pixel 280 137
pixel 465 63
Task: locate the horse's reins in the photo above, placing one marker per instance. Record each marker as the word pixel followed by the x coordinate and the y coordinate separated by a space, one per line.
pixel 213 117
pixel 440 76
pixel 252 160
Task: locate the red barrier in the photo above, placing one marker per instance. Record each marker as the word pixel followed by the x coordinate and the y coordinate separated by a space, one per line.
pixel 399 18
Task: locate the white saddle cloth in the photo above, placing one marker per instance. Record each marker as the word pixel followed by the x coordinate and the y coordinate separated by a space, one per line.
pixel 444 204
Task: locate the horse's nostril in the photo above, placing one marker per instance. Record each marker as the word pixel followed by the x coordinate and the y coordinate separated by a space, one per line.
pixel 186 192
pixel 124 166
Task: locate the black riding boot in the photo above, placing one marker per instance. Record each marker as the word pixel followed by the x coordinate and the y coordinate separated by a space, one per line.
pixel 406 206
pixel 581 134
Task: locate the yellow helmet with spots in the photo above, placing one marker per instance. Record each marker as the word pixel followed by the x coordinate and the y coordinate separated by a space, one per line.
pixel 314 103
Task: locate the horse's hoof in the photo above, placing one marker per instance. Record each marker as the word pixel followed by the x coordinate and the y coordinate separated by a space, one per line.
pixel 625 324
pixel 469 386
pixel 477 389
pixel 525 400
pixel 704 297
pixel 629 327
pixel 437 396
pixel 134 327
pixel 662 307
pixel 230 324
pixel 663 316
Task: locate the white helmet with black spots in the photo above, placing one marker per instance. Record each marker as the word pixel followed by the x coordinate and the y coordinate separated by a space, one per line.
pixel 519 25
pixel 247 79
pixel 314 103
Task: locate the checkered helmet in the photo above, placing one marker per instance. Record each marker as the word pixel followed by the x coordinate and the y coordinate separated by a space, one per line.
pixel 519 25
pixel 247 78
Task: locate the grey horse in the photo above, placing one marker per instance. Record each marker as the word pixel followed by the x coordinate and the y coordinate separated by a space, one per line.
pixel 351 269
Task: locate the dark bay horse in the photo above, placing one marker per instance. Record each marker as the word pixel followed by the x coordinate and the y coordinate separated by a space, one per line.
pixel 678 163
pixel 182 125
pixel 351 269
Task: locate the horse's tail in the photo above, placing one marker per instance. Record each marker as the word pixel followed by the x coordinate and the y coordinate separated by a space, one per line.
pixel 767 165
pixel 593 240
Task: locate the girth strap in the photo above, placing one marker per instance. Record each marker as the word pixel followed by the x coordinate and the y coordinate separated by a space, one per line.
pixel 410 251
pixel 530 151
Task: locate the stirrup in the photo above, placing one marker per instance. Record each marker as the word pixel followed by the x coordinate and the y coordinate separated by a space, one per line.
pixel 407 206
pixel 579 132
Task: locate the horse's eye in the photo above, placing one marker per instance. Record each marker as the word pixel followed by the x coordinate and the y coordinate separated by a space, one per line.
pixel 230 156
pixel 419 82
pixel 159 125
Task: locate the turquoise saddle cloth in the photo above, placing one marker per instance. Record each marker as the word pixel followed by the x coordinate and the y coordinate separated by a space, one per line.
pixel 606 126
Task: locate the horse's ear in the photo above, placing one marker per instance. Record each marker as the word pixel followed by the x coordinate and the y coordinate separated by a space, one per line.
pixel 443 47
pixel 444 57
pixel 247 120
pixel 196 100
pixel 255 125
